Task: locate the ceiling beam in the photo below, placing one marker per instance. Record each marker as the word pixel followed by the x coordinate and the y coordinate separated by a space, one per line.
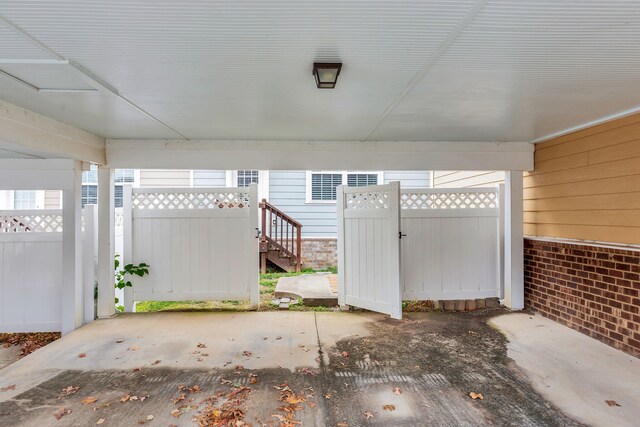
pixel 30 133
pixel 318 155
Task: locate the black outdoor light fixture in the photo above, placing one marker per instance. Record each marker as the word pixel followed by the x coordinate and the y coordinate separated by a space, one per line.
pixel 326 74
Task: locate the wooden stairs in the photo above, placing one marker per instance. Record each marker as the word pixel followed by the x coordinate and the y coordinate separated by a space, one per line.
pixel 280 239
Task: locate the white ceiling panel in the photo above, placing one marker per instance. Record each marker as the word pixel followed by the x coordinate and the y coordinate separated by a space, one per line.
pixel 100 114
pixel 14 45
pixel 493 70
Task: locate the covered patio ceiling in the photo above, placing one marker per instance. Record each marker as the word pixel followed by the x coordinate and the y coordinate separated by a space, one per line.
pixel 489 70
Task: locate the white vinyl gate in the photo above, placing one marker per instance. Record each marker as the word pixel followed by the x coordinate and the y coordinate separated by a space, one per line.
pixel 200 243
pixel 451 250
pixel 434 244
pixel 369 249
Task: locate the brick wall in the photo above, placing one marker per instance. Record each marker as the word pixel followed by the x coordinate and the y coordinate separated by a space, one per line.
pixel 319 254
pixel 591 289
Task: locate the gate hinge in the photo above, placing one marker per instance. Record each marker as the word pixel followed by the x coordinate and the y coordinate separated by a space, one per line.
pixel 258 233
pixel 401 235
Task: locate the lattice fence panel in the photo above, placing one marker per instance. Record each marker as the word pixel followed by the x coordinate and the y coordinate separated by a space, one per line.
pixel 31 223
pixel 453 200
pixel 367 200
pixel 219 200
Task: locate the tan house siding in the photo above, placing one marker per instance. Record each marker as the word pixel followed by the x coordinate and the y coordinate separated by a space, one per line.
pixel 462 179
pixel 52 199
pixel 586 185
pixel 165 178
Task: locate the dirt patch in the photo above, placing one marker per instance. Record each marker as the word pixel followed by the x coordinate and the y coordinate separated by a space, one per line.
pixel 437 360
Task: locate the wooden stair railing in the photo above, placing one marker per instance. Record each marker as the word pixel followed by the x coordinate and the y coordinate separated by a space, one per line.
pixel 280 233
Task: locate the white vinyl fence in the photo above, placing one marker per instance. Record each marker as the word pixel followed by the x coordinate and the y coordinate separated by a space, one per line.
pixel 31 269
pixel 200 243
pixel 451 250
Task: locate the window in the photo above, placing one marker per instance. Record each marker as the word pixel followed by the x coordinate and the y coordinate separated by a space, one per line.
pixel 362 179
pixel 247 177
pixel 24 199
pixel 321 186
pixel 90 185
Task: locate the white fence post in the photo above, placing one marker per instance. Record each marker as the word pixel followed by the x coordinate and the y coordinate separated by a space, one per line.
pixel 89 242
pixel 254 242
pixel 394 250
pixel 341 254
pixel 127 249
pixel 501 224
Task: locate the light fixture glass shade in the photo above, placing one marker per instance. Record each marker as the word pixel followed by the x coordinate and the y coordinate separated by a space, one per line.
pixel 326 74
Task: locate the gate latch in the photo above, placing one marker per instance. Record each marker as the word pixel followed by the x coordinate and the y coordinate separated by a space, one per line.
pixel 401 235
pixel 258 233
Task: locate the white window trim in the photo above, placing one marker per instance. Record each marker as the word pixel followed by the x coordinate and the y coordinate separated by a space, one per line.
pixel 309 200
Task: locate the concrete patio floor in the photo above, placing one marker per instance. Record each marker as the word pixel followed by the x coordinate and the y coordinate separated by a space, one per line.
pixel 348 367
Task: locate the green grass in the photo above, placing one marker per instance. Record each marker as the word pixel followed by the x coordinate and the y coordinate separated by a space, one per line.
pixel 268 283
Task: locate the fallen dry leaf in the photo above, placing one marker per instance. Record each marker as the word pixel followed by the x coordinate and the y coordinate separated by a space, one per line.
pixel 125 398
pixel 389 407
pixel 104 405
pixel 397 390
pixel 278 338
pixel 119 341
pixel 156 362
pixel 61 413
pixel 89 400
pixel 612 403
pixel 175 413
pixel 475 396
pixel 81 355
pixel 101 421
pixel 133 348
pixel 9 387
pixel 201 345
pixel 342 425
pixel 247 353
pixel 69 390
pixel 368 414
pixel 345 354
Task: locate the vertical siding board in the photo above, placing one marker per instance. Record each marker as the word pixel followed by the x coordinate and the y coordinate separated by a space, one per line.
pixel 468 243
pixel 379 254
pixel 3 284
pixel 15 279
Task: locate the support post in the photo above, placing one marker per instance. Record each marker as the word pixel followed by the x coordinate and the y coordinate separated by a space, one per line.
pixel 127 247
pixel 90 242
pixel 513 242
pixel 72 289
pixel 106 242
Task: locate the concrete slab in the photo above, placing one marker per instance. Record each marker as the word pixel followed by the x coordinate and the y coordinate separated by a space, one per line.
pixel 313 289
pixel 344 368
pixel 575 372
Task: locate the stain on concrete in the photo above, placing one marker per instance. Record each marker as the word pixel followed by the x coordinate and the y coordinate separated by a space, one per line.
pixel 420 369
